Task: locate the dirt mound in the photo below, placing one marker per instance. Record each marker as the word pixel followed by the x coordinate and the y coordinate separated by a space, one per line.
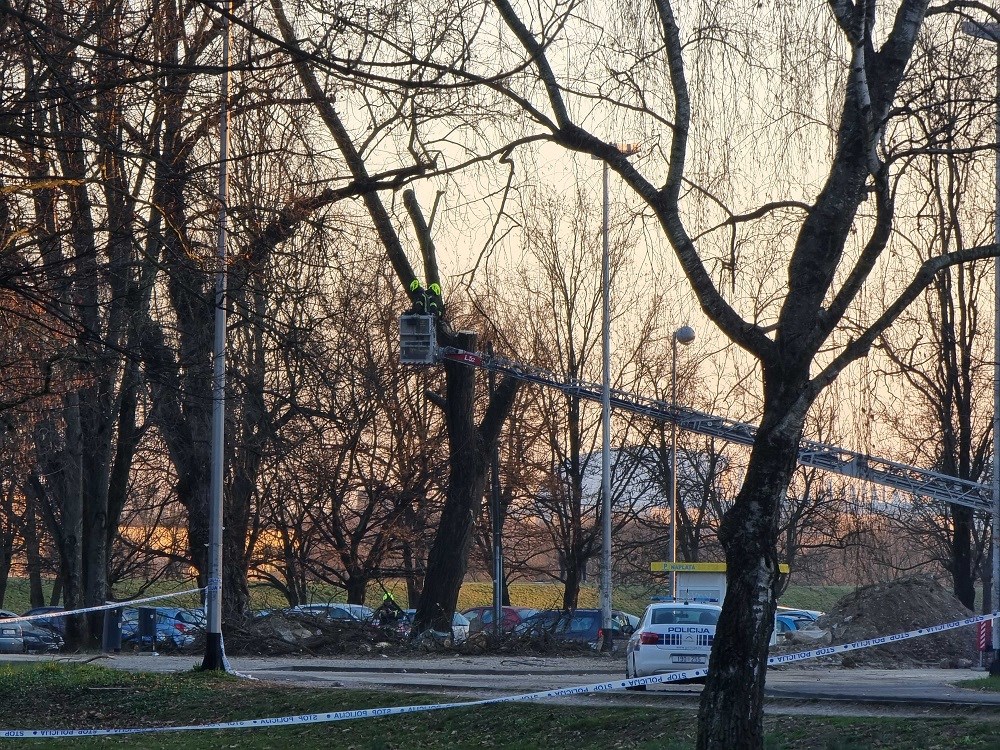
pixel 900 606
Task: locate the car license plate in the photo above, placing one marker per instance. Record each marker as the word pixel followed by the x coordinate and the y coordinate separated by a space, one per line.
pixel 687 659
pixel 9 631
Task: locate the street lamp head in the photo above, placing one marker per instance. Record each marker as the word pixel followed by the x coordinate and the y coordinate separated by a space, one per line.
pixel 684 335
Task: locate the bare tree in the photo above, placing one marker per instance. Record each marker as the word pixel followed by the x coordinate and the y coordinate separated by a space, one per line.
pixel 940 351
pixel 842 230
pixel 367 455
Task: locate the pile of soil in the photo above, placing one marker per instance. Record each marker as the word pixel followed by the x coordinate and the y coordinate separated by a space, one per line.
pixel 900 606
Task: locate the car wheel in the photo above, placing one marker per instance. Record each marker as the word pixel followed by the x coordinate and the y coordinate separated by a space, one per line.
pixel 629 676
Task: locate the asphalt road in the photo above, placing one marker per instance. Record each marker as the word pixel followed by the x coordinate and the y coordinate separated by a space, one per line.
pixel 809 690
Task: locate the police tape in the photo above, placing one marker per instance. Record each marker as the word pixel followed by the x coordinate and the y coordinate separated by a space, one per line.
pixel 880 641
pixel 131 603
pixel 567 692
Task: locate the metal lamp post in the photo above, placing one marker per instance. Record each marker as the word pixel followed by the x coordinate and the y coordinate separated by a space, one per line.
pixel 683 335
pixel 215 655
pixel 626 149
pixel 991 33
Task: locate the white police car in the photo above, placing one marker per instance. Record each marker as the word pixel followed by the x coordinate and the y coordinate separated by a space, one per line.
pixel 672 637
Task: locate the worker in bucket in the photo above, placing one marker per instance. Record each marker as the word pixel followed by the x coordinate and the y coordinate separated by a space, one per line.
pixel 426 301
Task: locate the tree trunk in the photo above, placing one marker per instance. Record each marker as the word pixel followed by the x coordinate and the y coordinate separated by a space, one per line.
pixel 413 587
pixel 469 451
pixel 71 547
pixel 357 589
pixel 962 575
pixel 571 588
pixel 31 551
pixel 449 553
pixel 732 702
pixel 6 558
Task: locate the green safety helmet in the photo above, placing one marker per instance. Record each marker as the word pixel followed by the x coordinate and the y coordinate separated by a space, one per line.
pixel 414 285
pixel 436 288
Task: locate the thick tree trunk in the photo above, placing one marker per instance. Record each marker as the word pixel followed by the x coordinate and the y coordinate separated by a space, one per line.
pixel 449 554
pixel 732 702
pixel 71 543
pixel 6 558
pixel 357 588
pixel 962 577
pixel 469 451
pixel 413 587
pixel 31 551
pixel 571 587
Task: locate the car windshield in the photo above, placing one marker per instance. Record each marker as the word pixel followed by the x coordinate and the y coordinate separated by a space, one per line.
pixel 684 616
pixel 582 624
pixel 189 617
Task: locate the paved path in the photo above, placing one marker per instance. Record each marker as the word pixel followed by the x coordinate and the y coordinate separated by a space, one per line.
pixel 487 676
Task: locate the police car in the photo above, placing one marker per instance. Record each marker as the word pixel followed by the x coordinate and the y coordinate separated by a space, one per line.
pixel 672 636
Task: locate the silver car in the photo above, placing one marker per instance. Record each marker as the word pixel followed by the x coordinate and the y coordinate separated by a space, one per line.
pixel 11 639
pixel 459 625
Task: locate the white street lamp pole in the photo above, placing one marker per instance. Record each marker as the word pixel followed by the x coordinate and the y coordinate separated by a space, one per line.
pixel 627 149
pixel 683 335
pixel 991 32
pixel 215 655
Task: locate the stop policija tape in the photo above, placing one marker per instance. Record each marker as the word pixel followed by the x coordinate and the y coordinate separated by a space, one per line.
pixel 597 687
pixel 100 608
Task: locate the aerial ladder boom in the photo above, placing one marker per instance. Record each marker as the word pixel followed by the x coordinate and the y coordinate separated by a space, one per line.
pixel 909 479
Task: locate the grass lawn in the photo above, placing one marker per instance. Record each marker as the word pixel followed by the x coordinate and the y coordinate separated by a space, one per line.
pixel 73 696
pixel 630 598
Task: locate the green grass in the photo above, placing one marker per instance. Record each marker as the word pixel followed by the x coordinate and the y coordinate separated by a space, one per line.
pixel 54 696
pixel 815 597
pixel 630 598
pixel 982 684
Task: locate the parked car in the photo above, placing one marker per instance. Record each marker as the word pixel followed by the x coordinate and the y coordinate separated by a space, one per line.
pixel 11 638
pixel 57 624
pixel 188 620
pixel 481 618
pixel 783 625
pixel 459 625
pixel 38 639
pixel 796 628
pixel 810 614
pixel 671 637
pixel 629 622
pixel 331 611
pixel 360 611
pixel 171 631
pixel 579 626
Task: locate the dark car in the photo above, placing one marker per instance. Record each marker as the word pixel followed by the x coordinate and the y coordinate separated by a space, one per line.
pixel 57 624
pixel 582 626
pixel 38 639
pixel 332 611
